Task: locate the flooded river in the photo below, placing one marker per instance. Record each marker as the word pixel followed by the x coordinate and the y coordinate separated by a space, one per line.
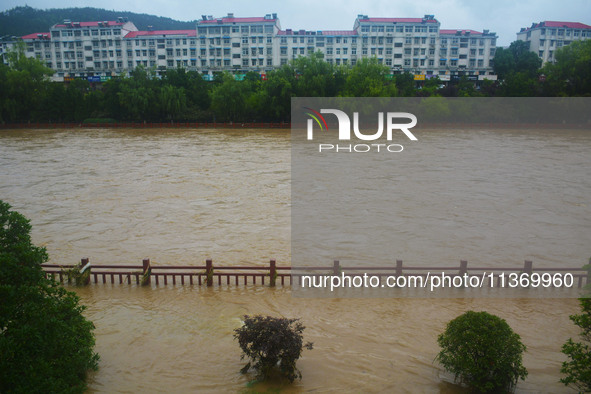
pixel 181 196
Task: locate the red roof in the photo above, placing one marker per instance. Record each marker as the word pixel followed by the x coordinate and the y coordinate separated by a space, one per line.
pixel 322 33
pixel 454 31
pixel 188 33
pixel 402 20
pixel 90 24
pixel 570 25
pixel 238 20
pixel 339 33
pixel 35 36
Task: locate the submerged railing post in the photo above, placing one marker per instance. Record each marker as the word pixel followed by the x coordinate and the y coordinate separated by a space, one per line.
pixel 272 273
pixel 463 267
pixel 398 267
pixel 209 272
pixel 527 267
pixel 336 267
pixel 85 266
pixel 146 279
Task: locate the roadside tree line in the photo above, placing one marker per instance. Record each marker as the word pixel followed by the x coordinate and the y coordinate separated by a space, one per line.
pixel 26 95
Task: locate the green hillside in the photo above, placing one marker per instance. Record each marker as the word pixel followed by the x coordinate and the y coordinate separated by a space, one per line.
pixel 25 20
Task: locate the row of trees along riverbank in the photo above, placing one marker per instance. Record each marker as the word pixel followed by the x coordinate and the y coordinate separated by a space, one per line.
pixel 26 95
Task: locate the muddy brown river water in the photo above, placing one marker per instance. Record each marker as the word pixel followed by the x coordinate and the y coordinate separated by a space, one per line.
pixel 181 196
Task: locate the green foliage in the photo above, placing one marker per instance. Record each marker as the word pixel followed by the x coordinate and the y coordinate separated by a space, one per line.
pixel 145 280
pixel 76 276
pixel 34 68
pixel 482 352
pixel 272 344
pixel 179 95
pixel 368 79
pixel 19 259
pixel 229 99
pixel 316 77
pixel 405 84
pixel 46 344
pixel 518 67
pixel 516 59
pixel 578 368
pixel 571 74
pixel 23 84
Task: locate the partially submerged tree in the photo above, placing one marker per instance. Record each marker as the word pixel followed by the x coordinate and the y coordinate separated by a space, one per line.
pixel 271 344
pixel 482 352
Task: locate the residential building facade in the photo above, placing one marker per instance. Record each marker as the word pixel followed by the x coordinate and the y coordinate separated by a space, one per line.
pixel 239 45
pixel 546 37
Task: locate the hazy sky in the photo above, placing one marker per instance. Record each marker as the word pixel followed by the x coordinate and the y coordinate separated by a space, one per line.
pixel 505 17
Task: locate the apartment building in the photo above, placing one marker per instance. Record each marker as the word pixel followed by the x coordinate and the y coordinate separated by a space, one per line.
pixel 546 37
pixel 77 48
pixel 414 45
pixel 100 50
pixel 237 44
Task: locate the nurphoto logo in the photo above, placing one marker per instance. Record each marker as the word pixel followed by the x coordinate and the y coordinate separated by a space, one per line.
pixel 344 130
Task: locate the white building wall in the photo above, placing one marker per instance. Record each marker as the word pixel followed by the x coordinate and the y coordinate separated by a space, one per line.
pixel 239 45
pixel 547 37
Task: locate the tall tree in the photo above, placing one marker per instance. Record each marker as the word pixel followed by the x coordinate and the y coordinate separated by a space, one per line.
pixel 24 82
pixel 571 74
pixel 516 58
pixel 368 79
pixel 316 77
pixel 228 99
pixel 46 344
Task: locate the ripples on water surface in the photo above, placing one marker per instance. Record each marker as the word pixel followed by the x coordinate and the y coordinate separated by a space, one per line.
pixel 117 196
pixel 155 340
pixel 180 196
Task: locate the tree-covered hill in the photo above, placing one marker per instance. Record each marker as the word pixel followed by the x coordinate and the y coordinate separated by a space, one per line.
pixel 20 21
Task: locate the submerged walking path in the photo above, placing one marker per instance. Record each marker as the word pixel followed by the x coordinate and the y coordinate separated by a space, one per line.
pixel 428 277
